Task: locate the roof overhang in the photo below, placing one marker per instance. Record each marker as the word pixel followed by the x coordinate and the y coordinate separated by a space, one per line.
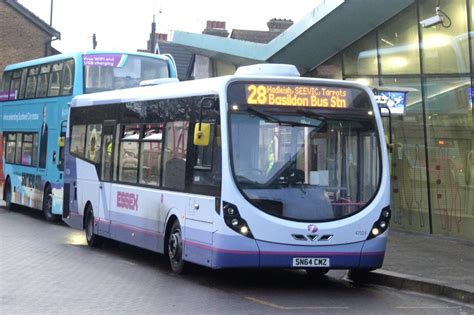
pixel 34 19
pixel 327 29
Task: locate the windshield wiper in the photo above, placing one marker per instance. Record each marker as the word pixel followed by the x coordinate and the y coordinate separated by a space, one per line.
pixel 311 114
pixel 263 115
pixel 276 120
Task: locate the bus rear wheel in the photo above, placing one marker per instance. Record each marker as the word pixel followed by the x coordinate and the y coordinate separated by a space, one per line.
pixel 93 240
pixel 8 196
pixel 48 206
pixel 175 248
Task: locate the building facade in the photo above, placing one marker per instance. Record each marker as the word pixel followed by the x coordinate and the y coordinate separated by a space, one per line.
pixel 23 35
pixel 433 132
pixel 429 70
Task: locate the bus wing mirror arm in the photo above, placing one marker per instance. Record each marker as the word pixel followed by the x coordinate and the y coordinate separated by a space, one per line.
pixel 390 137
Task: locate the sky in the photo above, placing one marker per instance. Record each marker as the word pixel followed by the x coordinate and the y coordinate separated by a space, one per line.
pixel 126 24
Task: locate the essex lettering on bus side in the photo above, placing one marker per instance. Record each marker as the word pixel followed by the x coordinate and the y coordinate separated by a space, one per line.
pixel 127 200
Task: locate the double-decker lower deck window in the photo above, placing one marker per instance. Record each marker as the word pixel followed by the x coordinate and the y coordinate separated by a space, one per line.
pixel 21 148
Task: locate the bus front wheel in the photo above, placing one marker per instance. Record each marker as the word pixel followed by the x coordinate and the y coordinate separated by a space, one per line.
pixel 48 206
pixel 93 240
pixel 175 248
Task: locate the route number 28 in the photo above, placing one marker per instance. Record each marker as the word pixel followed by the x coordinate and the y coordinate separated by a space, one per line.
pixel 257 94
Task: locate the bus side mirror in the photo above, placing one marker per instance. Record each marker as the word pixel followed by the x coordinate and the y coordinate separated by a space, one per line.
pixel 202 134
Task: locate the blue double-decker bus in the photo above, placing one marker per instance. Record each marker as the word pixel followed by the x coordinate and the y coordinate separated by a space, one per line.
pixel 34 102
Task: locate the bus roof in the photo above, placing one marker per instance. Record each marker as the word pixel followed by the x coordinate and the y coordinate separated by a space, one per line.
pixel 77 55
pixel 198 87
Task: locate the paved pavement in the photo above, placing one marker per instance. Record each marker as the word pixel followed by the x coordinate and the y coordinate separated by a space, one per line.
pixel 428 264
pixel 424 263
pixel 48 269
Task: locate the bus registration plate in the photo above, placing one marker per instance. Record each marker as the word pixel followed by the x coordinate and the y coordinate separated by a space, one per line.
pixel 310 262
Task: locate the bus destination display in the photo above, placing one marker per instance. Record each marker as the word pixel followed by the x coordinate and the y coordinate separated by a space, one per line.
pixel 297 95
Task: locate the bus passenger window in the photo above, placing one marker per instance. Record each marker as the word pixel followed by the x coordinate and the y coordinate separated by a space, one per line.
pixel 27 152
pixel 5 87
pixel 150 155
pixel 18 149
pixel 10 151
pixel 55 79
pixel 68 78
pixel 15 85
pixel 31 82
pixel 207 166
pixel 128 169
pixel 93 140
pixel 43 78
pixel 174 159
pixel 78 140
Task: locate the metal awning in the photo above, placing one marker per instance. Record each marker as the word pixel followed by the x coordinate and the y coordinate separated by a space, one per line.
pixel 327 29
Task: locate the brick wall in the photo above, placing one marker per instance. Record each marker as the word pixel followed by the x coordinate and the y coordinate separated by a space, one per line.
pixel 20 39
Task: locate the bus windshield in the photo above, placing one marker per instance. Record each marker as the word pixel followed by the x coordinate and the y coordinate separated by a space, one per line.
pixel 105 72
pixel 306 164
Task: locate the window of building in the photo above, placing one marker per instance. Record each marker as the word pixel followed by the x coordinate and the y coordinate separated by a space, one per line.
pixel 449 119
pixel 408 158
pixel 360 59
pixel 331 69
pixel 445 49
pixel 399 45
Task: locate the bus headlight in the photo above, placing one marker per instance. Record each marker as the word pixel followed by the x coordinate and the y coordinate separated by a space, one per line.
pixel 233 220
pixel 381 225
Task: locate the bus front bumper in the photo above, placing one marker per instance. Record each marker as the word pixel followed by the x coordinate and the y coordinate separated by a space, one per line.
pixel 240 252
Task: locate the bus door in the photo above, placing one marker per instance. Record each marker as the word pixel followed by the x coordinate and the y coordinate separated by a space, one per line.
pixel 106 169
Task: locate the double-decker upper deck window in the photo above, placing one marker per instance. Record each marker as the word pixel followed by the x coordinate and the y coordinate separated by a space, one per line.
pixel 105 72
pixel 43 78
pixel 15 84
pixel 55 79
pixel 31 82
pixel 68 78
pixel 5 86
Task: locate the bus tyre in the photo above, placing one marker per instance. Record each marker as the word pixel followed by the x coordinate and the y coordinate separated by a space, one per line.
pixel 93 240
pixel 8 196
pixel 359 275
pixel 48 206
pixel 175 248
pixel 317 272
